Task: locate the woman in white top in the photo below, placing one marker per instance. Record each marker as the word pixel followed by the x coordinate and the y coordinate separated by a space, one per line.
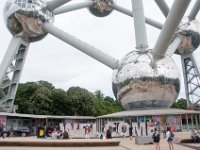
pixel 170 138
pixel 55 134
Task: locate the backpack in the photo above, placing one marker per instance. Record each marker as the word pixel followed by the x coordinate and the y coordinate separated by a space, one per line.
pixel 171 137
pixel 156 137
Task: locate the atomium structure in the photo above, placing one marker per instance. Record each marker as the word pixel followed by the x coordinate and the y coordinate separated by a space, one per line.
pixel 144 78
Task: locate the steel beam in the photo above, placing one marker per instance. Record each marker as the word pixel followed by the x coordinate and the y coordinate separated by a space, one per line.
pixel 53 4
pixel 72 7
pixel 173 20
pixel 139 25
pixel 16 53
pixel 173 46
pixel 191 79
pixel 130 13
pixel 163 7
pixel 9 56
pixel 194 10
pixel 82 46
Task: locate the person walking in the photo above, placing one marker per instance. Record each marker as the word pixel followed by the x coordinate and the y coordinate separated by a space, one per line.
pixel 156 138
pixel 108 134
pixel 65 135
pixel 170 137
pixel 87 131
pixel 164 130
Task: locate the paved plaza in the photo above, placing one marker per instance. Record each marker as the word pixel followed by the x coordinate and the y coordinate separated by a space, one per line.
pixel 125 144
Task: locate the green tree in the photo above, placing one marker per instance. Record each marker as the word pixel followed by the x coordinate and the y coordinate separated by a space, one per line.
pixel 46 84
pixel 108 98
pixel 99 94
pixel 26 90
pixel 180 104
pixel 22 99
pixel 60 104
pixel 106 106
pixel 43 98
pixel 80 101
pixel 41 101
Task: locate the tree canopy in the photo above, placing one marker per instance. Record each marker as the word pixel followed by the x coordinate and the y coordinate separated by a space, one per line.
pixel 180 104
pixel 42 98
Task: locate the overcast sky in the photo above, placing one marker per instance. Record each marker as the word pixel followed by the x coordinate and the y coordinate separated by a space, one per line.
pixel 64 66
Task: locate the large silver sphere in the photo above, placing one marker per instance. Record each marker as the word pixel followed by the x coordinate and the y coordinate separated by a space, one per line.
pixel 101 8
pixel 25 17
pixel 190 32
pixel 139 84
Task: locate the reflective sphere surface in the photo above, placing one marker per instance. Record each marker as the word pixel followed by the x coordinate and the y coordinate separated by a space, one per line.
pixel 101 8
pixel 139 84
pixel 25 17
pixel 190 32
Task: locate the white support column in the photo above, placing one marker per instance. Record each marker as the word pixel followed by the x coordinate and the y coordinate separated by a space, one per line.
pixel 9 56
pixel 191 78
pixel 185 78
pixel 196 120
pixel 194 61
pixel 97 125
pixel 53 4
pixel 192 121
pixel 72 7
pixel 163 7
pixel 146 133
pixel 20 58
pixel 194 10
pixel 186 116
pixel 181 123
pixel 82 46
pixel 130 14
pixel 101 125
pixel 139 24
pixel 173 20
pixel 16 53
pixel 174 45
pixel 153 23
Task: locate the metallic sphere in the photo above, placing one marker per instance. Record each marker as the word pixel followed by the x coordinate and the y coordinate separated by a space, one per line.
pixel 190 32
pixel 139 83
pixel 25 17
pixel 101 8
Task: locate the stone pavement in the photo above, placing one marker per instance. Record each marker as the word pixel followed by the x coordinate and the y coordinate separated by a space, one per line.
pixel 125 144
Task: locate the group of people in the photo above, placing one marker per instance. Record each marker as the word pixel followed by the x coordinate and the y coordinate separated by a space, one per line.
pixel 57 134
pixel 195 135
pixel 169 136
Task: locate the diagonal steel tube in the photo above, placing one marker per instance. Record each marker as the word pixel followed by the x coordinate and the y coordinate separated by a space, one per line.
pixel 72 7
pixel 174 45
pixel 82 46
pixel 163 7
pixel 194 10
pixel 139 25
pixel 173 19
pixel 16 52
pixel 130 13
pixel 53 4
pixel 153 23
pixel 9 56
pixel 195 62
